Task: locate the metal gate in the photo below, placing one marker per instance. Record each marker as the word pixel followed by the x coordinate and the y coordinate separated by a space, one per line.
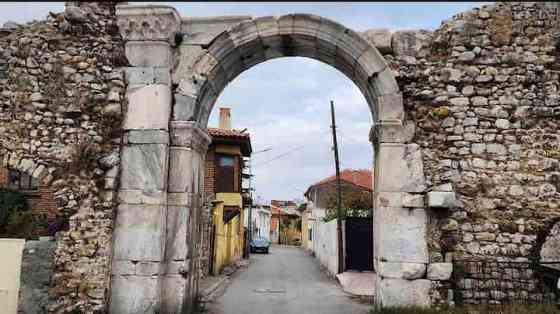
pixel 358 243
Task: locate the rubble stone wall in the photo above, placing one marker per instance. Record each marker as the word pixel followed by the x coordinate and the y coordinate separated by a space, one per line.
pixel 480 96
pixel 60 108
pixel 482 91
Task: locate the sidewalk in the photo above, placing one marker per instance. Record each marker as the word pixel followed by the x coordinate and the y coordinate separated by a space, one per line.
pixel 212 286
pixel 358 283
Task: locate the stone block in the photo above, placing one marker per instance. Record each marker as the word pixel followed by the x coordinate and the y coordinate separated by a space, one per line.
pixel 185 174
pixel 441 199
pixel 144 167
pixel 440 271
pixel 379 38
pixel 371 61
pixel 244 32
pixel 202 30
pixel 142 197
pixel 399 168
pixel 189 134
pixel 267 26
pixel 387 132
pixel 148 268
pixel 146 137
pixel 173 294
pixel 385 83
pixel 180 199
pixel 401 292
pixel 409 42
pixel 184 107
pixel 401 270
pixel 149 107
pixel 141 76
pixel 134 294
pixel 177 233
pixel 123 267
pixel 400 235
pixel 388 199
pixel 390 107
pixel 550 250
pixel 148 53
pixel 139 232
pixel 306 24
pixel 412 200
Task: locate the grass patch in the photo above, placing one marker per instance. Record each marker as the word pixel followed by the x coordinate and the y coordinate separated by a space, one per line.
pixel 473 309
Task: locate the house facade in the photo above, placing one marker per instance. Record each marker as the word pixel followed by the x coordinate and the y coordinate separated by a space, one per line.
pixel 319 225
pixel 261 221
pixel 224 233
pixel 286 222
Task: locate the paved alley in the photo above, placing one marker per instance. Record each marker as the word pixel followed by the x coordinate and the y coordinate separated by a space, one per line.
pixel 286 281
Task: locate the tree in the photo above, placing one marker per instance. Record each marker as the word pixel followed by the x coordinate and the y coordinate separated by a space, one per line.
pixel 356 201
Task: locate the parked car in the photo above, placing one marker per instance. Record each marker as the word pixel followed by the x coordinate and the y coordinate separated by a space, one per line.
pixel 259 245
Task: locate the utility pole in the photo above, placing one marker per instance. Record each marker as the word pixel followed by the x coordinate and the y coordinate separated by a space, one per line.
pixel 250 213
pixel 338 193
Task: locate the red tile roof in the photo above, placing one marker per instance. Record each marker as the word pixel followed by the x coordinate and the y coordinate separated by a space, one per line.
pixel 359 177
pixel 215 132
pixel 232 136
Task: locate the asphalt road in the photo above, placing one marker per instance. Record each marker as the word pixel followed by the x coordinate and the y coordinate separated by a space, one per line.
pixel 285 281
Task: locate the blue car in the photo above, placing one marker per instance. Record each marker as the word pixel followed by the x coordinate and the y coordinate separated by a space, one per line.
pixel 259 245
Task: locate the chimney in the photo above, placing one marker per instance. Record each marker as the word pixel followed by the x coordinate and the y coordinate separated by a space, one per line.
pixel 225 118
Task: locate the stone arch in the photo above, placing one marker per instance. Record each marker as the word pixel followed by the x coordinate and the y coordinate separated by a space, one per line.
pixel 28 166
pixel 305 35
pixel 165 143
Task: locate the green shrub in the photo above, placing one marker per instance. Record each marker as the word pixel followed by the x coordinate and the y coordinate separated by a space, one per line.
pixel 10 201
pixel 24 224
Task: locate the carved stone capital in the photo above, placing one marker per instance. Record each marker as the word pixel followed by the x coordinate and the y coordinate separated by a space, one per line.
pixel 189 134
pixel 148 22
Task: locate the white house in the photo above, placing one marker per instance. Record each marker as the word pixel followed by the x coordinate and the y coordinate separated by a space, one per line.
pixel 260 221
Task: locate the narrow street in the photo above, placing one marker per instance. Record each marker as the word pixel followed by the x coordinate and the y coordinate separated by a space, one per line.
pixel 286 281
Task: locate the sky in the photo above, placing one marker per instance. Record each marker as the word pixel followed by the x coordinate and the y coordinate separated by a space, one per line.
pixel 284 103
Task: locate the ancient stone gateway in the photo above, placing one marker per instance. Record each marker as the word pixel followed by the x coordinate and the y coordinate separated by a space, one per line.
pixel 179 68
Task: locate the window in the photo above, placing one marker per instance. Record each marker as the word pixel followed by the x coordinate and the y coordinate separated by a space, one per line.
pixel 21 181
pixel 310 234
pixel 225 173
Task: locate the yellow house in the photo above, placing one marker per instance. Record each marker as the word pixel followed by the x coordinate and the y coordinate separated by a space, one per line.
pixel 224 164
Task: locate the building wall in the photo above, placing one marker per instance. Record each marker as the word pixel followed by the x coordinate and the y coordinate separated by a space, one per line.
pixel 11 251
pixel 229 241
pixel 274 229
pixel 307 223
pixel 40 201
pixel 325 245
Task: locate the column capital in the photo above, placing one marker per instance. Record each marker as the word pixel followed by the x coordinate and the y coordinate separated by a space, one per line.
pixel 148 22
pixel 189 134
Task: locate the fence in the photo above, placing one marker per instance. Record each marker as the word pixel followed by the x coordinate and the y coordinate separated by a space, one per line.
pixel 505 283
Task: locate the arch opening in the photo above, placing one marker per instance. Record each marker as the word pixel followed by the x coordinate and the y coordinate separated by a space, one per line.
pixel 255 41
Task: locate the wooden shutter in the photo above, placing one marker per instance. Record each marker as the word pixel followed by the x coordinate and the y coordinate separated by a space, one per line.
pixel 225 173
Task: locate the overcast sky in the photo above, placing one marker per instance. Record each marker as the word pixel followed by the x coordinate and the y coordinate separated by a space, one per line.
pixel 284 103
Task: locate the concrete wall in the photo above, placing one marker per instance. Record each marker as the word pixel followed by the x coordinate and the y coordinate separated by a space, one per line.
pixel 10 264
pixel 37 269
pixel 325 244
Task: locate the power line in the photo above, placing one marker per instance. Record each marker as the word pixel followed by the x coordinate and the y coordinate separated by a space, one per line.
pixel 286 153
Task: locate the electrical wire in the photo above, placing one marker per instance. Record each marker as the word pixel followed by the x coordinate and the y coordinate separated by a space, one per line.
pixel 297 148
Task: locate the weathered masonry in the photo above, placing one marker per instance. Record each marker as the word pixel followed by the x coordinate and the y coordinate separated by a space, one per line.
pixel 466 140
pixel 179 68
